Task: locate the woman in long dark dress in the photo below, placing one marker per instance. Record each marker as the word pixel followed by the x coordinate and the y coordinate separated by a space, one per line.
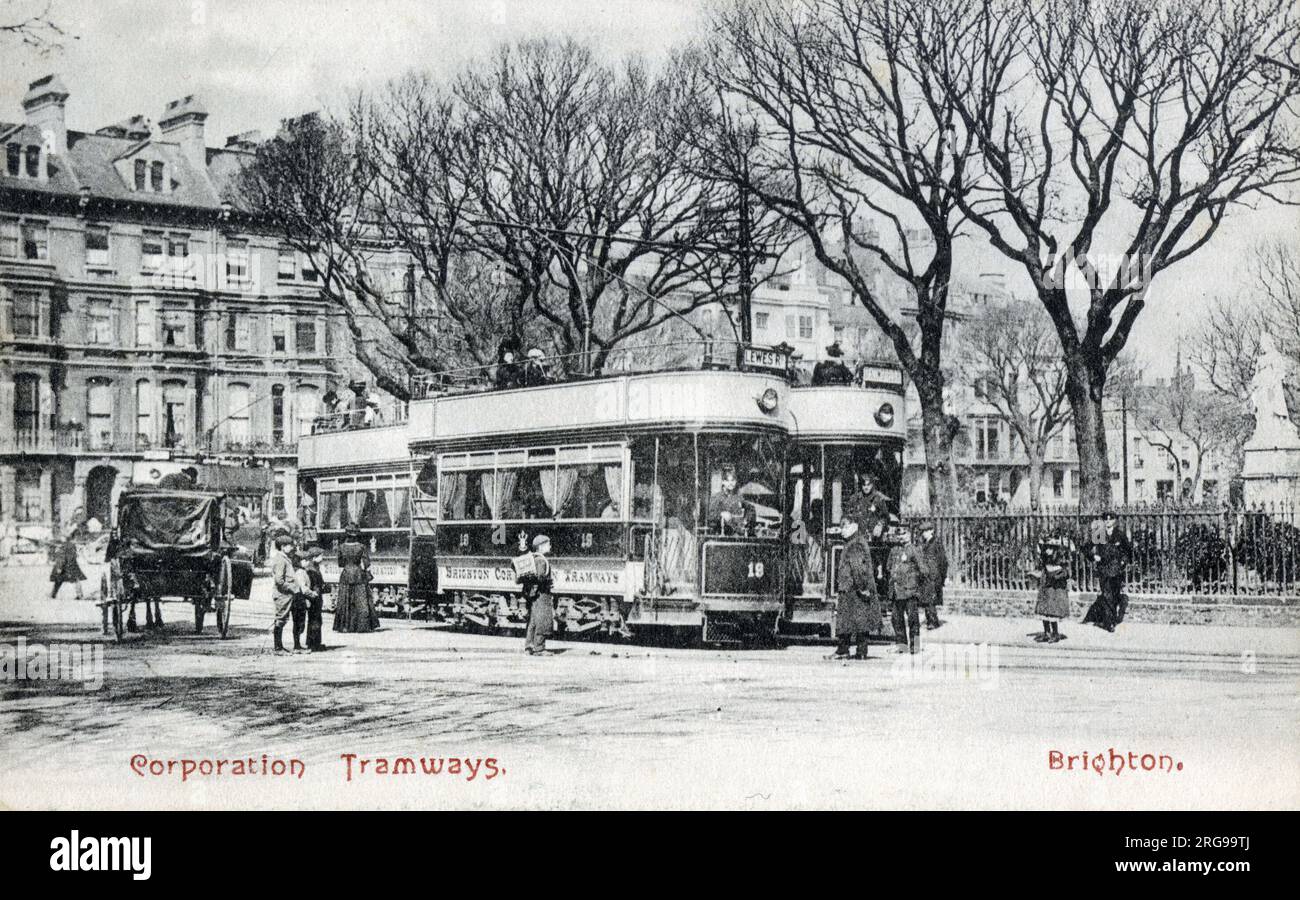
pixel 353 609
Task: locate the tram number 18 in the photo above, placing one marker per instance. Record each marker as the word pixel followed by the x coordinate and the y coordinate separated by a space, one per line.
pixel 755 569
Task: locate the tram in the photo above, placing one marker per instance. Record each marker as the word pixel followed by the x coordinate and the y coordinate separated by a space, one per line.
pixel 677 496
pixel 362 476
pixel 842 434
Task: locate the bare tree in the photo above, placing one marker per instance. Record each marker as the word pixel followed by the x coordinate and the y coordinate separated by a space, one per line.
pixel 586 188
pixel 1277 279
pixel 1176 415
pixel 1225 344
pixel 855 135
pixel 1114 136
pixel 1011 354
pixel 417 143
pixel 312 186
pixel 29 24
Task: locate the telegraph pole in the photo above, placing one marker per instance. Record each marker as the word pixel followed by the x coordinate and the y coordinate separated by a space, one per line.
pixel 1123 413
pixel 746 262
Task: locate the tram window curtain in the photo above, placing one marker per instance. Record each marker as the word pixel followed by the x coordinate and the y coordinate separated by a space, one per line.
pixel 356 499
pixel 557 487
pixel 498 490
pixel 332 513
pixel 452 493
pixel 401 505
pixel 614 485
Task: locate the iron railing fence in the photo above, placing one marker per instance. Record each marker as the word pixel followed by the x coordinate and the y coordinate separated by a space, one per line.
pixel 1248 551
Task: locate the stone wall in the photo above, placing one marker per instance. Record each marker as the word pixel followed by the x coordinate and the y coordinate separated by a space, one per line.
pixel 1168 609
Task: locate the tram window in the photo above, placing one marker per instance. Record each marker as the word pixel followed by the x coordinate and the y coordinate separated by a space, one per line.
pixel 468 496
pixel 677 481
pixel 845 467
pixel 374 509
pixel 586 492
pixel 643 476
pixel 741 476
pixel 333 511
pixel 400 505
pixel 806 505
pixel 527 494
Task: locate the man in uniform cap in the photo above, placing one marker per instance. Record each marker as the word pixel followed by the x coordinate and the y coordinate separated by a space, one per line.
pixel 857 607
pixel 537 594
pixel 905 587
pixel 726 511
pixel 934 572
pixel 1112 552
pixel 868 507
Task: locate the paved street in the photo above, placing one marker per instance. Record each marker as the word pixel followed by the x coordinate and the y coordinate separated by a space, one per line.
pixel 634 726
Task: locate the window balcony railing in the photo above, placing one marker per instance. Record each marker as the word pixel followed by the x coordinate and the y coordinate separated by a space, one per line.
pixel 41 435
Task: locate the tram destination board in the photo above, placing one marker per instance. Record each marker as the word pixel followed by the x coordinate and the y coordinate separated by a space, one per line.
pixel 739 568
pixel 759 359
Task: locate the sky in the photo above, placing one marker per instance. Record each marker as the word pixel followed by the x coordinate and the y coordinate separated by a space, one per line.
pixel 254 62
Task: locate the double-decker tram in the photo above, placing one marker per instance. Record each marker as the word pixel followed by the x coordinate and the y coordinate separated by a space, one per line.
pixel 661 493
pixel 360 475
pixel 846 461
pixel 689 489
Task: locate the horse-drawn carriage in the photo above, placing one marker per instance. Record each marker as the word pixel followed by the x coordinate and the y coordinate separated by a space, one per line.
pixel 170 544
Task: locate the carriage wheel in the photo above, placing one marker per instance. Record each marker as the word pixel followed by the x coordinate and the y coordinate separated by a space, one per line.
pixel 224 598
pixel 113 596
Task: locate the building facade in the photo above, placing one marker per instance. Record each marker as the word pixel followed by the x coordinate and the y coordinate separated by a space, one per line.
pixel 140 314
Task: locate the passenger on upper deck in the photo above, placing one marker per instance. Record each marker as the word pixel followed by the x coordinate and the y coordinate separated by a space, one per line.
pixel 832 371
pixel 535 370
pixel 727 511
pixel 509 373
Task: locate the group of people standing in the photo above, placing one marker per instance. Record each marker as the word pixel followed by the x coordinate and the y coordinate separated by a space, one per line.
pixel 512 373
pixel 917 569
pixel 1111 552
pixel 298 590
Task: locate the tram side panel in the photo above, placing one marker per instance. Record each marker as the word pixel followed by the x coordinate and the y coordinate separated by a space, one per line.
pixel 468 568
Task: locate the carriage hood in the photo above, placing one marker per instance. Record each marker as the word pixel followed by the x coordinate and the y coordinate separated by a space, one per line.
pixel 184 523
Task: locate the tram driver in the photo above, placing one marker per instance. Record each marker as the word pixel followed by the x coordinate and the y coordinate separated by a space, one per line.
pixel 728 513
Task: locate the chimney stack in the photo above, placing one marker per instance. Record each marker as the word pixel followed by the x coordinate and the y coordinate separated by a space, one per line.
pixel 245 140
pixel 43 105
pixel 182 122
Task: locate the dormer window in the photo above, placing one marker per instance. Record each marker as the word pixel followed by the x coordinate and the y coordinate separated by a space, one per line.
pixel 23 161
pixel 150 175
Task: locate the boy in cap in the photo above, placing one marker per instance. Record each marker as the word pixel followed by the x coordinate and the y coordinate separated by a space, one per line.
pixel 537 593
pixel 284 588
pixel 316 596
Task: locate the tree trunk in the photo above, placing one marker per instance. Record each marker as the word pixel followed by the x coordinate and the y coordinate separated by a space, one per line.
pixel 938 436
pixel 1084 385
pixel 1035 478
